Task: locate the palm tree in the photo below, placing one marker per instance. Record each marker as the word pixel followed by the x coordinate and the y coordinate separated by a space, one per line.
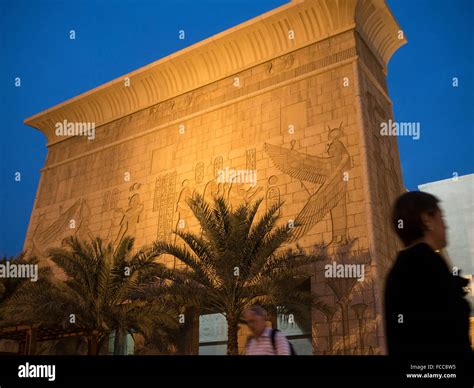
pixel 10 285
pixel 238 261
pixel 104 291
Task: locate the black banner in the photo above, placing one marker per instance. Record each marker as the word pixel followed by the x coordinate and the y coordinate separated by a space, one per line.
pixel 90 370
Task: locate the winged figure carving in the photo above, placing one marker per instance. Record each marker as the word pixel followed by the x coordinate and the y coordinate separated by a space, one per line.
pixel 326 171
pixel 44 235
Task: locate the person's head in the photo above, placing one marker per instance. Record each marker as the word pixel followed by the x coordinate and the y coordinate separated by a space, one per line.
pixel 417 216
pixel 256 319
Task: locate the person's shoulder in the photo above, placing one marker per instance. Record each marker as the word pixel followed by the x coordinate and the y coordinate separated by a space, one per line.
pixel 416 250
pixel 408 264
pixel 249 340
pixel 417 255
pixel 428 258
pixel 400 265
pixel 279 334
pixel 418 263
pixel 420 250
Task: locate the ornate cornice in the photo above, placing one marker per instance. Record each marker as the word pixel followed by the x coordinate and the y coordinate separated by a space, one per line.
pixel 230 52
pixel 379 28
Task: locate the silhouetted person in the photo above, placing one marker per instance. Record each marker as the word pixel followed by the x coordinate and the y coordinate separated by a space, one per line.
pixel 425 311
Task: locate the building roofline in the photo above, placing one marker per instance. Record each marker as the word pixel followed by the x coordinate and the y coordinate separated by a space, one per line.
pixel 234 50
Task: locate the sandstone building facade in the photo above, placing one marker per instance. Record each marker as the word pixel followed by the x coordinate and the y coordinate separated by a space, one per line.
pixel 296 95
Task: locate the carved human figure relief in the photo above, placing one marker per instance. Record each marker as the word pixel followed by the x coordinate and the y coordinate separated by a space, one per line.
pixel 109 205
pixel 106 201
pixel 244 188
pixel 130 218
pixel 83 232
pixel 242 192
pixel 251 193
pixel 182 208
pixel 214 188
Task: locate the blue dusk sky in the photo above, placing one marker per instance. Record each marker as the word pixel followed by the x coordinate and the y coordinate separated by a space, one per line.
pixel 116 37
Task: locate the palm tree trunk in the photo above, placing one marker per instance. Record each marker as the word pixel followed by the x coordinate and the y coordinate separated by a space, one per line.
pixel 232 328
pixel 92 345
pixel 101 339
pixel 119 343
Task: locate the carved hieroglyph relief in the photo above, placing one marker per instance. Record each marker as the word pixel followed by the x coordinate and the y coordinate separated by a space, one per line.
pixel 164 204
pixel 272 196
pixel 199 173
pixel 280 64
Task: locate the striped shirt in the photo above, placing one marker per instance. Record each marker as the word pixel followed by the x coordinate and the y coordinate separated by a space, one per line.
pixel 262 345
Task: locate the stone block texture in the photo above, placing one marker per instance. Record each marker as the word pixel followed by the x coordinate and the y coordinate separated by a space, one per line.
pixel 302 112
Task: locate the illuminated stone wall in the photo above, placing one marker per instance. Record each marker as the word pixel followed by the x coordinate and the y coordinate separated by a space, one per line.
pixel 304 116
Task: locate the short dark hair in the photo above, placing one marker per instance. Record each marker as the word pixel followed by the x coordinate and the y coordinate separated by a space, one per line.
pixel 258 310
pixel 408 209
